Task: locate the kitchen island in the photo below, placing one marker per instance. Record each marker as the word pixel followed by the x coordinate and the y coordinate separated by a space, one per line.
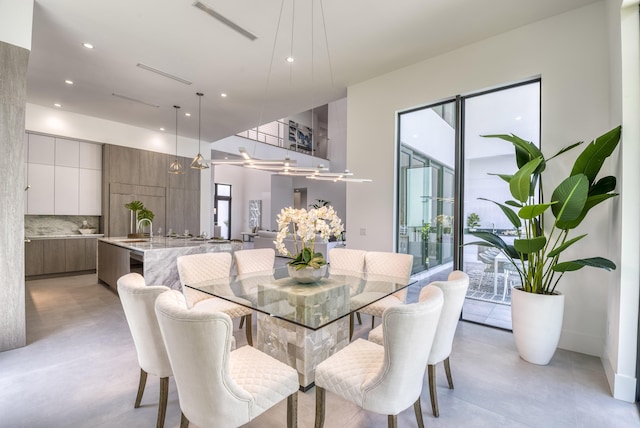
pixel 154 258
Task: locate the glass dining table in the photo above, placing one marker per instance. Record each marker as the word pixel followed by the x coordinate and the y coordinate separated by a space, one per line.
pixel 303 324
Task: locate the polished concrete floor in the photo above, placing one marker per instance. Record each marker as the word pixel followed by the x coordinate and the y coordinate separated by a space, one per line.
pixel 79 369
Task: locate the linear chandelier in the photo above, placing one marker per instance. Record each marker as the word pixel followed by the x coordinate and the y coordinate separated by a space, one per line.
pixel 288 166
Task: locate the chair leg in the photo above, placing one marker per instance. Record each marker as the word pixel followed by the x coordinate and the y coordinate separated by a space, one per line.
pixel 447 370
pixel 141 384
pixel 162 405
pixel 417 408
pixel 320 398
pixel 350 326
pixel 359 318
pixel 241 322
pixel 248 330
pixel 292 410
pixel 432 390
pixel 373 320
pixel 392 421
pixel 184 422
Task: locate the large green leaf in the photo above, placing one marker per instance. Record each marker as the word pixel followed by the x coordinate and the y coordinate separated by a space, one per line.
pixel 598 262
pixel 529 246
pixel 513 203
pixel 491 238
pixel 593 156
pixel 531 211
pixel 511 214
pixel 520 184
pixel 592 201
pixel 504 177
pixel 565 149
pixel 604 185
pixel 571 196
pixel 525 150
pixel 564 246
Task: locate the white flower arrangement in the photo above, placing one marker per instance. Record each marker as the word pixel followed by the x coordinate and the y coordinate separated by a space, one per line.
pixel 306 224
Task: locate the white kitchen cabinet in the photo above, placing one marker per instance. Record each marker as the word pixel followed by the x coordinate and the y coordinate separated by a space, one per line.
pixel 40 198
pixel 41 149
pixel 90 202
pixel 67 182
pixel 90 156
pixel 67 152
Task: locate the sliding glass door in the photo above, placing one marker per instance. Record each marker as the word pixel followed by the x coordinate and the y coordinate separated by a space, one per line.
pixel 441 158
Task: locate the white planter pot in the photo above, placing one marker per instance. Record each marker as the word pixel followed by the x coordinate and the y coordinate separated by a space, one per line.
pixel 307 275
pixel 537 323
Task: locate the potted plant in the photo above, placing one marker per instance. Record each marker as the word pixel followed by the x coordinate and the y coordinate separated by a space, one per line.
pixel 537 308
pixel 307 265
pixel 473 222
pixel 134 207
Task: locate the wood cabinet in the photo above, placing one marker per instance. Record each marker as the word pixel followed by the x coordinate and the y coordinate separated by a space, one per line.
pixel 114 262
pixel 33 258
pixel 54 256
pixel 51 256
pixel 131 174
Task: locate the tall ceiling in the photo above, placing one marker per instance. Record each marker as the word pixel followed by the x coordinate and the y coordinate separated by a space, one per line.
pixel 365 38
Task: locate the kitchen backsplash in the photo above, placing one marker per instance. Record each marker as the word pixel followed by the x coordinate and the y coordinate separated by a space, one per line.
pixel 43 225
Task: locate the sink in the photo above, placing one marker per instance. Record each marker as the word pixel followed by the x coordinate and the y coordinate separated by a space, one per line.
pixel 130 241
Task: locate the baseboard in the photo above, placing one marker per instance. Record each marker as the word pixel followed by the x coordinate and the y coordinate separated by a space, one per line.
pixel 622 387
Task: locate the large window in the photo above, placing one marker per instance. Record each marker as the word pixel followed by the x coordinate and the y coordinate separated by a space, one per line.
pixel 444 175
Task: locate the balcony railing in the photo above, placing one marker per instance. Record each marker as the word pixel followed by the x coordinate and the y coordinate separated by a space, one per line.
pixel 277 134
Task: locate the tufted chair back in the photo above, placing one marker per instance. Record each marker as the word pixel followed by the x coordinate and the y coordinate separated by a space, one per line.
pixel 137 301
pixel 346 259
pixel 254 260
pixel 194 268
pixel 409 331
pixel 454 291
pixel 199 346
pixel 390 264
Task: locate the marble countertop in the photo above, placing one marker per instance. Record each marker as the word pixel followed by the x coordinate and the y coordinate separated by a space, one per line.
pixel 160 243
pixel 67 236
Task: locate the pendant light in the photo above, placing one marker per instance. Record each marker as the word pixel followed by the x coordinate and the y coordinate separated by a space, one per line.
pixel 198 162
pixel 175 167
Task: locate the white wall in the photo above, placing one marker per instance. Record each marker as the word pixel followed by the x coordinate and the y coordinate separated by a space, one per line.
pixel 16 20
pixel 570 52
pixel 619 357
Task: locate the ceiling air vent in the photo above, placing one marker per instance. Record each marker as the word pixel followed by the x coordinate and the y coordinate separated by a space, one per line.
pixel 206 9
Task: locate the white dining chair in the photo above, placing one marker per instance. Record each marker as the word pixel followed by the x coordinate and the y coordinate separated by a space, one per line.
pixel 384 379
pixel 348 261
pixel 254 260
pixel 218 387
pixel 387 264
pixel 454 292
pixel 194 268
pixel 138 301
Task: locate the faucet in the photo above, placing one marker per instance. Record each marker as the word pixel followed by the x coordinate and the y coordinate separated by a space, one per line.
pixel 150 226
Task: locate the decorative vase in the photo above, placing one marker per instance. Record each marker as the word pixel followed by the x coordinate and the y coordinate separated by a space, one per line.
pixel 537 324
pixel 307 275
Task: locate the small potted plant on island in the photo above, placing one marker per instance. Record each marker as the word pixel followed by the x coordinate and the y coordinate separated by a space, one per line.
pixel 537 308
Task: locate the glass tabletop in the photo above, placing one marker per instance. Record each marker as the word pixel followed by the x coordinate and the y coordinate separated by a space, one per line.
pixel 314 305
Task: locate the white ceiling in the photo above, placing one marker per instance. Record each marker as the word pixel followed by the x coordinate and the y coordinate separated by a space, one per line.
pixel 366 38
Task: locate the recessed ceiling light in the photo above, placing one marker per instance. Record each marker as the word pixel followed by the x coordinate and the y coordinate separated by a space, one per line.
pixel 162 129
pixel 88 45
pixel 188 114
pixel 223 95
pixel 289 59
pixel 518 117
pixel 57 105
pixel 68 82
